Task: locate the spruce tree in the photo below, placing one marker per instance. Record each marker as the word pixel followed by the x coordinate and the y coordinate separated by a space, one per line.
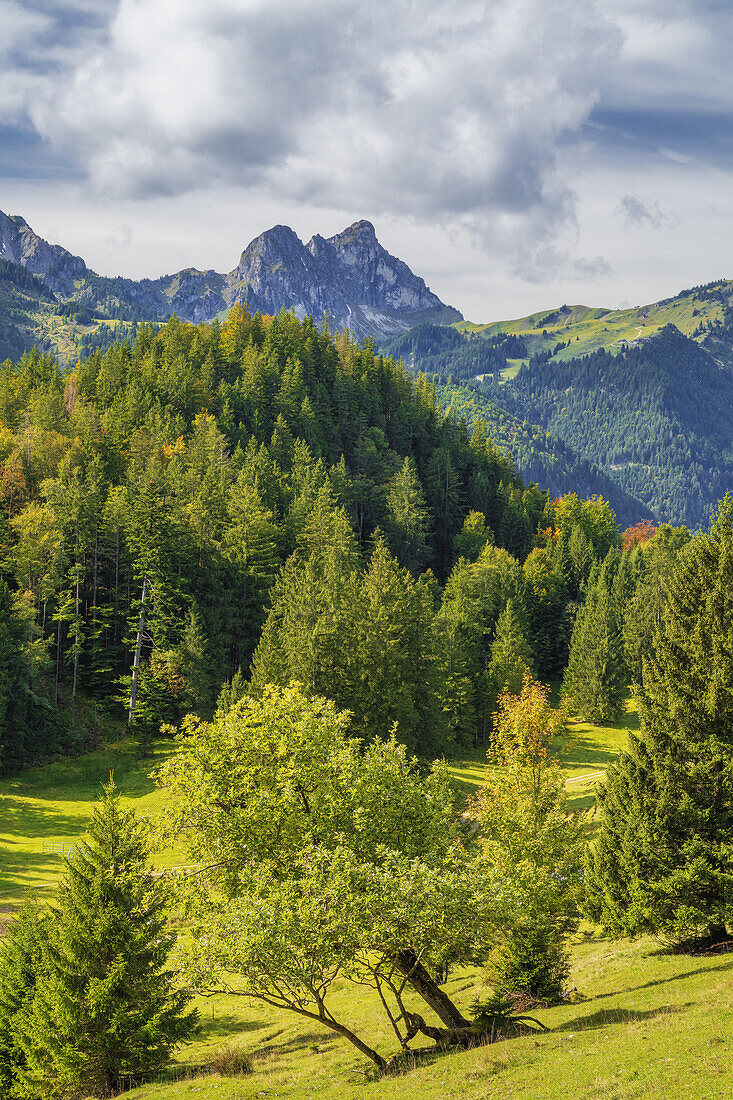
pixel 511 653
pixel 407 518
pixel 106 1009
pixel 20 958
pixel 664 855
pixel 595 678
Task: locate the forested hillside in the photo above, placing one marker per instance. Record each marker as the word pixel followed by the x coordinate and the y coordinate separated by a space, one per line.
pixel 273 550
pixel 656 417
pixel 540 456
pixel 252 502
pixel 151 495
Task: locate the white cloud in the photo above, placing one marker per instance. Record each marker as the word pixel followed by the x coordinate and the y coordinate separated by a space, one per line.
pixel 493 142
pixel 434 110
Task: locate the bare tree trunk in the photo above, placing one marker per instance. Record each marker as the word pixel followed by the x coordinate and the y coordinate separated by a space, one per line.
pixel 58 662
pixel 117 565
pixel 76 638
pixel 94 582
pixel 138 648
pixel 418 978
pixel 340 1029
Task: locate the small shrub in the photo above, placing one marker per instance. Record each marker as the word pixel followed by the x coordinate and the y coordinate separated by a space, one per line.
pixel 230 1062
pixel 533 964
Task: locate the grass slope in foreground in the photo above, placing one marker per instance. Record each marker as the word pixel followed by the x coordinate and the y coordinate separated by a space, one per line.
pixel 650 1025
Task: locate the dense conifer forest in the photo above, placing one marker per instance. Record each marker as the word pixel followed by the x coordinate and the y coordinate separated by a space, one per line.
pixel 647 422
pixel 273 548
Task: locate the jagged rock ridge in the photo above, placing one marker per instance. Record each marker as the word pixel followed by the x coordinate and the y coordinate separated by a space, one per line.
pixel 350 277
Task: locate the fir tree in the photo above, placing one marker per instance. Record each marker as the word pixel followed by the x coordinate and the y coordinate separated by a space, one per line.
pixel 407 518
pixel 107 1008
pixel 663 858
pixel 196 697
pixel 595 679
pixel 511 653
pixel 20 959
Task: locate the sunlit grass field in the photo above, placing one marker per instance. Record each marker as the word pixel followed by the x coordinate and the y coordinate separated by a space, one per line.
pixel 645 1024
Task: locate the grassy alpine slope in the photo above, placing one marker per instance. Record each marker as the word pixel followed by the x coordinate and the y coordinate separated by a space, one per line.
pixel 584 329
pixel 638 397
pixel 635 1030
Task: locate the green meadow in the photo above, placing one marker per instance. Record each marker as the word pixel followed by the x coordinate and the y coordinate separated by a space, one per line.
pixel 585 329
pixel 642 1023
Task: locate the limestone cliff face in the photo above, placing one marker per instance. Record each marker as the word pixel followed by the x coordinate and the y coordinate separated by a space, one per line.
pixel 350 277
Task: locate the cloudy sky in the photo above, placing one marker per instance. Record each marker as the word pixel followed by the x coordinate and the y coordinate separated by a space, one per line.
pixel 516 153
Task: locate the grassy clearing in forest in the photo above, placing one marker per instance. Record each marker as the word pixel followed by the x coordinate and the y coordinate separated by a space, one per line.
pixel 647 1026
pixel 651 1027
pixel 54 802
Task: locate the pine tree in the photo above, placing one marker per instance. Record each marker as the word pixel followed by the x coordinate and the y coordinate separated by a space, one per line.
pixel 196 696
pixel 20 958
pixel 107 1007
pixel 595 679
pixel 511 653
pixel 12 693
pixel 663 858
pixel 408 518
pixel 532 840
pixel 547 600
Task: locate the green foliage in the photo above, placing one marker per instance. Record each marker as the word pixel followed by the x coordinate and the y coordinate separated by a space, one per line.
pixel 656 414
pixel 28 725
pixel 407 517
pixel 175 474
pixel 511 653
pixel 547 603
pixel 662 861
pixel 475 596
pixel 653 564
pixel 332 859
pixel 21 954
pixel 473 537
pixel 533 962
pixel 533 843
pixel 595 678
pixel 362 636
pixel 104 1006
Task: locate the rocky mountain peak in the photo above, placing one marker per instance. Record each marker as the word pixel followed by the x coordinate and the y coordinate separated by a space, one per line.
pixel 350 277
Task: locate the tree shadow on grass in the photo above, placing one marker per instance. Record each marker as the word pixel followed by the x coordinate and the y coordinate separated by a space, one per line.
pixel 667 981
pixel 226 1025
pixel 81 778
pixel 585 752
pixel 606 1016
pixel 320 1039
pixel 22 859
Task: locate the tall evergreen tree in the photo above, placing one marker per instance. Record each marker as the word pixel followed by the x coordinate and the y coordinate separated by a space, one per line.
pixel 20 959
pixel 664 855
pixel 595 679
pixel 408 518
pixel 107 1007
pixel 511 653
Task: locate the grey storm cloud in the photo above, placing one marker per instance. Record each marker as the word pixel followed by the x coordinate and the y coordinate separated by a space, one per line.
pixel 458 114
pixel 433 109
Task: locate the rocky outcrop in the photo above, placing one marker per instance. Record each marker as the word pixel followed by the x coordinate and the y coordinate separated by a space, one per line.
pixel 350 278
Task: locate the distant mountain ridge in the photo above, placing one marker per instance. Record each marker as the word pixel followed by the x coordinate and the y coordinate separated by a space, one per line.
pixel 350 277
